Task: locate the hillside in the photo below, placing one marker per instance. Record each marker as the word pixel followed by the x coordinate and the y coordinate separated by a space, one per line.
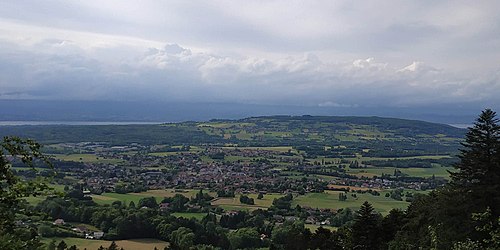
pixel 371 135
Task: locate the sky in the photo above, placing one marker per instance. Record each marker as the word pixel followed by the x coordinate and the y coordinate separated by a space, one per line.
pixel 299 53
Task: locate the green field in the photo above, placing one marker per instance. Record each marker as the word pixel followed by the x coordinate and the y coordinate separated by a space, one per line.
pixel 35 200
pixel 231 203
pixel 109 198
pixel 276 149
pixel 87 158
pixel 133 244
pixel 418 172
pixel 330 200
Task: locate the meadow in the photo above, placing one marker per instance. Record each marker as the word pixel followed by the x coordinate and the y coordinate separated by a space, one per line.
pixel 417 172
pixel 330 200
pixel 134 244
pixel 86 158
pixel 159 194
pixel 326 200
pixel 233 203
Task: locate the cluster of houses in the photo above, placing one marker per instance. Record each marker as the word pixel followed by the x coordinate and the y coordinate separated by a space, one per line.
pixel 192 170
pixel 81 230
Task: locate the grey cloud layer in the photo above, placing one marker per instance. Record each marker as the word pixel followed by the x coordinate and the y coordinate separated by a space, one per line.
pixel 179 74
pixel 326 53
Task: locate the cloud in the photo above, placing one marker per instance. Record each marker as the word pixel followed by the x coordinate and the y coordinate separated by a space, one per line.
pixel 173 72
pixel 328 54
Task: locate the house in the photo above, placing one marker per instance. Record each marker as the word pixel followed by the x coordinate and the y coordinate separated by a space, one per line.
pixel 310 220
pixel 81 229
pixel 98 235
pixel 164 206
pixel 58 222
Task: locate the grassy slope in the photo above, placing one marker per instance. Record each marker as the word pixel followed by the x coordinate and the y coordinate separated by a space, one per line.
pixel 235 204
pixel 330 200
pixel 108 198
pixel 133 244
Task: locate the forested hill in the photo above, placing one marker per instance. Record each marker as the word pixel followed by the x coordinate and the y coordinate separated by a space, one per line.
pixel 359 132
pixel 400 126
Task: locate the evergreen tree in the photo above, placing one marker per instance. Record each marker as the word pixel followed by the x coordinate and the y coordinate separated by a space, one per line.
pixel 113 246
pixel 131 205
pixel 325 239
pixel 260 196
pixel 390 225
pixel 62 245
pixel 479 167
pixel 444 218
pixel 365 230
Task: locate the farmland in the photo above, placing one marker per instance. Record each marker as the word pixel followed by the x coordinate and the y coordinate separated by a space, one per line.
pixel 135 244
pixel 109 198
pixel 317 170
pixel 330 200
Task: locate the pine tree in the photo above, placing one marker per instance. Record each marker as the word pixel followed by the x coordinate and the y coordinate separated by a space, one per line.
pixel 62 245
pixel 479 168
pixel 113 246
pixel 366 227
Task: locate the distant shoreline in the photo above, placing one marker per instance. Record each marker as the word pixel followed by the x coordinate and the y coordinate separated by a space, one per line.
pixel 461 125
pixel 36 123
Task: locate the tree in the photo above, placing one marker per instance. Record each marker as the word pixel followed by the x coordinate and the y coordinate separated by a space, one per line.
pixel 479 167
pixel 244 238
pixel 62 245
pixel 290 236
pixel 260 196
pixel 283 202
pixel 246 200
pixel 443 219
pixel 342 197
pixel 13 189
pixel 182 238
pixel 148 202
pixel 113 246
pixel 46 231
pixel 178 203
pixel 325 239
pixel 365 230
pixel 131 205
pixel 390 225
